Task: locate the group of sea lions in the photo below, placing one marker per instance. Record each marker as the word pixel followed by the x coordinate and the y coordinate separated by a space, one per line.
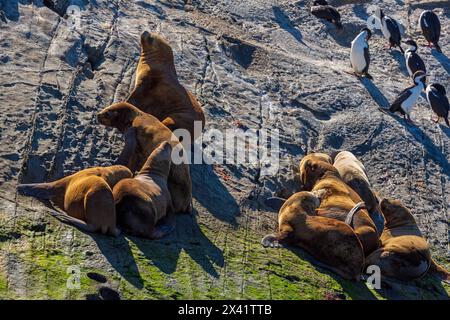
pixel 338 218
pixel 340 221
pixel 110 199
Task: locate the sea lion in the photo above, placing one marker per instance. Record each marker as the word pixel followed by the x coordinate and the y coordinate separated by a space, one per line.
pixel 85 196
pixel 157 90
pixel 341 202
pixel 404 253
pixel 143 201
pixel 353 173
pixel 143 133
pixel 330 241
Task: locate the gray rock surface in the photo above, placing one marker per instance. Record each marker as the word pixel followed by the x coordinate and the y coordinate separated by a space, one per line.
pixel 252 64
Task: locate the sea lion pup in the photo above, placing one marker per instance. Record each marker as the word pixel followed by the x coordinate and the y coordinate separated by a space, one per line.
pixel 333 243
pixel 340 202
pixel 353 173
pixel 143 133
pixel 143 201
pixel 85 196
pixel 404 253
pixel 157 90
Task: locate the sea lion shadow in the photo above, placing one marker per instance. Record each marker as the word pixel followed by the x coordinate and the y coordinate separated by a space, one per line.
pixel 116 250
pixel 355 289
pixel 432 151
pixel 375 93
pixel 442 59
pixel 286 24
pixel 188 237
pixel 209 191
pixel 393 289
pixel 118 253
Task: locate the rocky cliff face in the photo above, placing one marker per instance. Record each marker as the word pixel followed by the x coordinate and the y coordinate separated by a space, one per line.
pixel 253 65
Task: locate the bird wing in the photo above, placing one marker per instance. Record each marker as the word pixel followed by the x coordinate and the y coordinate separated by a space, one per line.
pixel 415 63
pixel 394 30
pixel 438 102
pixel 366 57
pixel 431 26
pixel 404 95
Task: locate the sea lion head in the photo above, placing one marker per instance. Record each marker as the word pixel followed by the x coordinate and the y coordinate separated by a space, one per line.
pixel 117 173
pixel 313 167
pixel 395 213
pixel 118 115
pixel 158 162
pixel 155 47
pixel 293 214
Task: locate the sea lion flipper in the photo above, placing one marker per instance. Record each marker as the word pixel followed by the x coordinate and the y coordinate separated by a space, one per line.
pixel 161 231
pixel 80 224
pixel 439 271
pixel 270 240
pixel 129 148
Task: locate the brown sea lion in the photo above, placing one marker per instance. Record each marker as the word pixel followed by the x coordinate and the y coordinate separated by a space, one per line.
pixel 86 197
pixel 341 202
pixel 143 133
pixel 404 253
pixel 353 173
pixel 144 201
pixel 157 90
pixel 330 241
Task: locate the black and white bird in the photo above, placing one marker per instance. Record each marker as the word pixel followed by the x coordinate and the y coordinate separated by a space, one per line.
pixel 438 101
pixel 431 28
pixel 407 99
pixel 414 62
pixel 390 29
pixel 359 53
pixel 322 10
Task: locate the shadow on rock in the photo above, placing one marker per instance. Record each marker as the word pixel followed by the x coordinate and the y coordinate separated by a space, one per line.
pixel 10 8
pixel 355 289
pixel 345 36
pixel 164 253
pixel 209 191
pixel 376 94
pixel 443 60
pixel 286 24
pixel 400 58
pixel 425 288
pixel 432 150
pixel 118 253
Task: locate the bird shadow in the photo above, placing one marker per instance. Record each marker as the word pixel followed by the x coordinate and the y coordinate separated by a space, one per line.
pixel 420 136
pixel 344 36
pixel 286 24
pixel 188 237
pixel 400 58
pixel 376 94
pixel 431 5
pixel 443 60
